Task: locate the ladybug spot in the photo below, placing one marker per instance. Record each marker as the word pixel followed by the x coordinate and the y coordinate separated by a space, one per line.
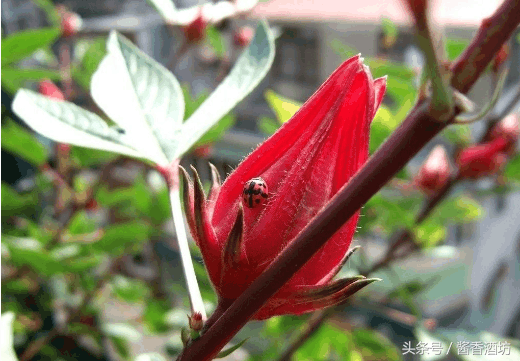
pixel 257 201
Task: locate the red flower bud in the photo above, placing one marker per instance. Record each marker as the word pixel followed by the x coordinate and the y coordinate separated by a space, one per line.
pixel 91 205
pixel 70 23
pixel 203 151
pixel 508 129
pixel 303 165
pixel 50 90
pixel 435 171
pixel 243 36
pixel 483 159
pixel 195 31
pixel 195 321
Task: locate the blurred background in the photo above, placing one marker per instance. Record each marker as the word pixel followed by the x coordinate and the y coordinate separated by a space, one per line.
pixel 87 233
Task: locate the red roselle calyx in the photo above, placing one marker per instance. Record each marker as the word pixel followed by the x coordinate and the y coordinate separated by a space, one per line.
pixel 483 159
pixel 243 36
pixel 195 31
pixel 435 171
pixel 508 129
pixel 70 22
pixel 303 165
pixel 50 90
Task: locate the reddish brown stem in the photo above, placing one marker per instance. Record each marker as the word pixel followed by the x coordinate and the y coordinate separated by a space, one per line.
pixel 493 32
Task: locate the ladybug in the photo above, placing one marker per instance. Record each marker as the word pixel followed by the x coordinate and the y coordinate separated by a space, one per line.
pixel 255 192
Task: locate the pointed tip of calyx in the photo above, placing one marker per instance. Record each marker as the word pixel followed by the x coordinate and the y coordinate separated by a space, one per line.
pixel 215 175
pixel 233 245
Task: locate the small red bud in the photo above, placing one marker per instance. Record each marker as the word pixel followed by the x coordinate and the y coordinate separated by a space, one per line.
pixel 63 148
pixel 483 159
pixel 508 129
pixel 70 23
pixel 243 36
pixel 91 205
pixel 50 90
pixel 435 171
pixel 195 321
pixel 204 151
pixel 195 31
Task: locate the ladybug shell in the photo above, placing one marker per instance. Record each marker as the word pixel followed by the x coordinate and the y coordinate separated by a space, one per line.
pixel 255 192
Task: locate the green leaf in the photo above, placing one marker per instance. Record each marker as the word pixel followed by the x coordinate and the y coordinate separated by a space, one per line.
pixel 17 140
pixel 81 223
pixel 430 232
pixel 215 41
pixel 141 96
pixel 120 235
pixel 24 251
pixel 14 203
pixel 50 10
pixel 217 131
pixel 65 122
pixel 248 71
pixel 268 125
pixel 455 47
pixel 461 209
pixel 22 44
pixel 390 213
pixel 121 346
pixel 372 345
pixel 7 343
pixel 85 157
pixel 284 108
pixel 83 264
pixel 512 171
pixel 228 351
pixel 129 290
pixel 110 198
pixel 13 79
pixel 82 72
pixel 121 330
pixel 150 357
pixel 458 134
pixel 155 316
pixel 389 28
pixel 382 126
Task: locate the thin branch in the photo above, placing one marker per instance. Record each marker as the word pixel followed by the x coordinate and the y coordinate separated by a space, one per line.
pixel 313 325
pixel 493 32
pixel 442 99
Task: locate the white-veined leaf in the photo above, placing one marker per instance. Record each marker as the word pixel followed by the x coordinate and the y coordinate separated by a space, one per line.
pixel 141 96
pixel 65 122
pixel 248 71
pixel 6 345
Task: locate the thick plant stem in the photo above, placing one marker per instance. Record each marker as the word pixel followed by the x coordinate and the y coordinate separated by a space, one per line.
pixel 493 32
pixel 196 303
